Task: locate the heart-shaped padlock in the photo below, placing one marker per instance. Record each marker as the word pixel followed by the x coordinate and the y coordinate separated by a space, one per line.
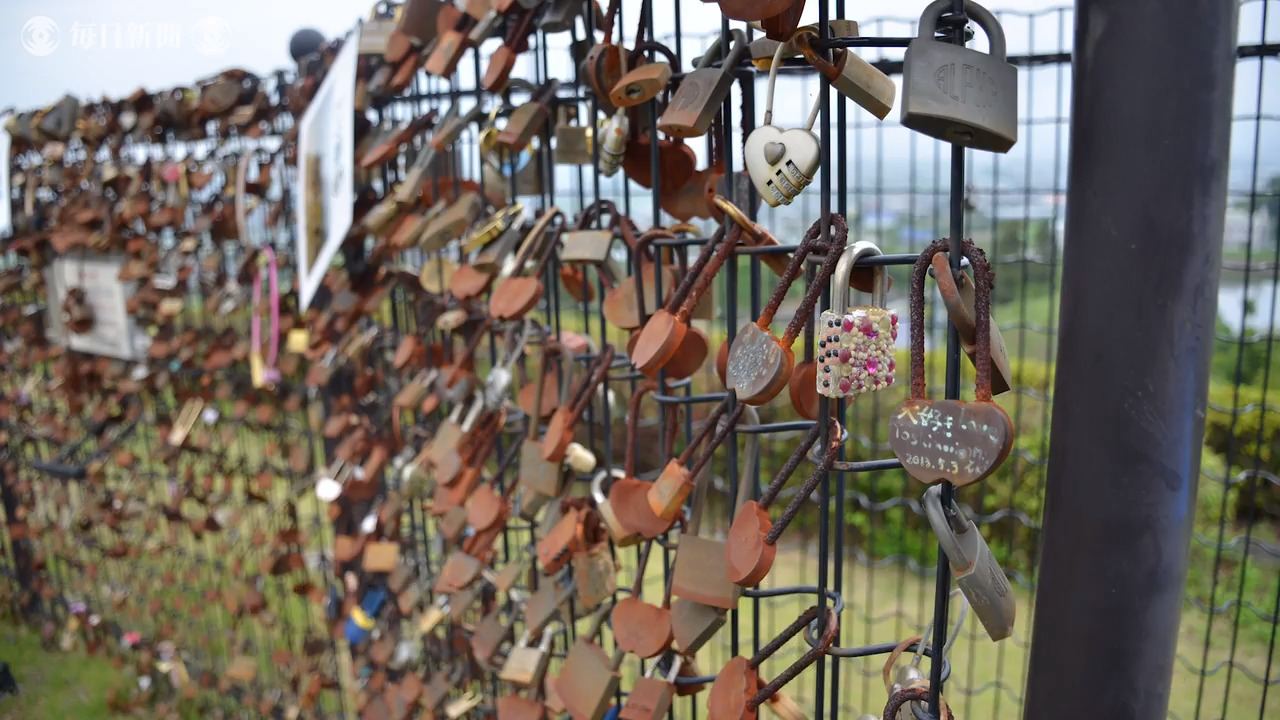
pixel 856 344
pixel 960 442
pixel 782 163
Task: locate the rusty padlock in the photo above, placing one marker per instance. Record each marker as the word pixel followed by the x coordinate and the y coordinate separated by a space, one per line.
pixel 749 553
pixel 759 364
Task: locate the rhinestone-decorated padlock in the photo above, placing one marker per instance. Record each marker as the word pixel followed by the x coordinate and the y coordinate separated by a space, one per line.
pixel 856 343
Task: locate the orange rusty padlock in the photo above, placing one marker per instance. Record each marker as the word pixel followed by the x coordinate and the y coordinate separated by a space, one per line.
pixel 639 628
pixel 663 334
pixel 560 428
pixel 630 301
pixel 519 288
pixel 626 510
pixel 736 693
pixel 751 548
pixel 667 494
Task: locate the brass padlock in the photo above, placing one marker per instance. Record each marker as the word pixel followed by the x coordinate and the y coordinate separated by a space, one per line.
pixel 699 582
pixel 589 677
pixel 701 93
pixel 526 665
pixel 852 76
pixel 574 142
pixel 595 574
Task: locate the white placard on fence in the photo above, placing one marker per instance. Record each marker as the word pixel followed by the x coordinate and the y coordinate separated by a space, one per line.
pixel 6 220
pixel 326 166
pixel 114 332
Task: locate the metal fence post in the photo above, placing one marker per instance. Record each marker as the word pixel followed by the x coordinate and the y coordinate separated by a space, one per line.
pixel 1151 122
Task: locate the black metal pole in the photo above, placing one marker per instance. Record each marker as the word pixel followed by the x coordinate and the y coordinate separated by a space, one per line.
pixel 1151 114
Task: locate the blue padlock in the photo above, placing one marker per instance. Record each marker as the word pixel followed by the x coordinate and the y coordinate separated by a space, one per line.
pixel 362 617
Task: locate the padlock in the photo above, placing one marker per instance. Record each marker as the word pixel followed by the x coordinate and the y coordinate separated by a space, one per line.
pixel 560 15
pixel 460 706
pixel 590 247
pixel 515 707
pixel 956 94
pixel 974 567
pixel 701 93
pixel 595 574
pixel 560 428
pixel 759 364
pixel 622 536
pixel 751 546
pixel 737 693
pixel 517 292
pixel 650 698
pixel 488 637
pixel 640 85
pixel 628 497
pixel 529 119
pixel 856 345
pixel 500 376
pixel 589 677
pixel 666 333
pixel 641 628
pixel 546 603
pixel 853 77
pixel 526 665
pixel 667 494
pixel 613 147
pixel 952 440
pixel 363 617
pixel 574 142
pixel 782 163
pixel 700 575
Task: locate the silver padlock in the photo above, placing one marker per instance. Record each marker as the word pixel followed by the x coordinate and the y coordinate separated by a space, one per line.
pixel 953 93
pixel 613 144
pixel 500 376
pixel 976 571
pixel 782 163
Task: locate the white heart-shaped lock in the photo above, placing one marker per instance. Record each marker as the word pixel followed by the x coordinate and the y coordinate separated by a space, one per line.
pixel 782 163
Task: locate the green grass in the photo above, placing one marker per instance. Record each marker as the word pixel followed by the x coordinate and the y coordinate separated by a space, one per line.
pixel 52 686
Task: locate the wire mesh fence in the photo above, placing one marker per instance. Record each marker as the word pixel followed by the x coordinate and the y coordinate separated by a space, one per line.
pixel 203 575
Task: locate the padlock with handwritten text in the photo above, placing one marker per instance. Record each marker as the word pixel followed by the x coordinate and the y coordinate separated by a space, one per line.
pixel 936 440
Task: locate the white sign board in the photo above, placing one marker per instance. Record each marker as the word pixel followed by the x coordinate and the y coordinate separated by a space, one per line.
pixel 6 220
pixel 114 332
pixel 326 168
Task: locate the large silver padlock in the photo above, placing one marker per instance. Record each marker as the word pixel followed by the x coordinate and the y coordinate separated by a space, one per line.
pixel 976 571
pixel 856 344
pixel 953 93
pixel 782 163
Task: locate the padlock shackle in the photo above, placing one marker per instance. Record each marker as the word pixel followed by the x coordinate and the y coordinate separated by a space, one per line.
pixel 983 282
pixel 830 629
pixel 773 79
pixel 597 483
pixel 948 538
pixel 975 12
pixel 844 274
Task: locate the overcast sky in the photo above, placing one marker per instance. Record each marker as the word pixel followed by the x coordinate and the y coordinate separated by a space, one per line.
pixel 95 47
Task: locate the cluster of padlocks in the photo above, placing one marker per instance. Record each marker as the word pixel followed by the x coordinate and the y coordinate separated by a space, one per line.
pixel 398 468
